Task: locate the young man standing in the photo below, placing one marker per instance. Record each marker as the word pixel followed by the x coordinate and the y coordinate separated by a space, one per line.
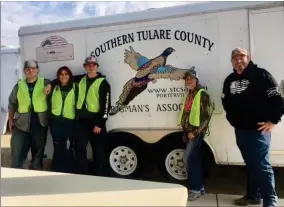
pixel 93 106
pixel 28 117
pixel 253 106
pixel 194 119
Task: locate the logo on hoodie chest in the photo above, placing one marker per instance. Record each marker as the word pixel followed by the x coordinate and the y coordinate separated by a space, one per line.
pixel 239 86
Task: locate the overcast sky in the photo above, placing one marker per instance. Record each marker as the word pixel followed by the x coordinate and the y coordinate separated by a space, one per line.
pixel 16 14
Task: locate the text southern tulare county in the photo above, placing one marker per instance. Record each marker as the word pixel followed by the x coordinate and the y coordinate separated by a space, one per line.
pixel 161 34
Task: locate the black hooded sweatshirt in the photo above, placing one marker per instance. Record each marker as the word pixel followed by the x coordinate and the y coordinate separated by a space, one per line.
pixel 251 97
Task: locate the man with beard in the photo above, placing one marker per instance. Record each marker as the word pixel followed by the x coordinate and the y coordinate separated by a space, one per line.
pixel 253 106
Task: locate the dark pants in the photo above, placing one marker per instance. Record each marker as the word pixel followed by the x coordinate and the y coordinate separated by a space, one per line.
pixel 193 163
pixel 83 136
pixel 254 147
pixel 62 132
pixel 22 142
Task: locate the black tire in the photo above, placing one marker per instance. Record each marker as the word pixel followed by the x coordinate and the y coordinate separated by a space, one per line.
pixel 127 144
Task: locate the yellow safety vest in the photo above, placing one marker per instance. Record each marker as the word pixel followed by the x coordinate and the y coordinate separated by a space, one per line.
pixel 92 99
pixel 68 110
pixel 194 117
pixel 38 99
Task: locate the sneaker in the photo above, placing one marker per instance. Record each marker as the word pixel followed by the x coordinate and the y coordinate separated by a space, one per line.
pixel 193 195
pixel 245 201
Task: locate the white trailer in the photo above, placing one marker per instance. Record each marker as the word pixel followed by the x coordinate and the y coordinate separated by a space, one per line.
pixel 145 133
pixel 10 73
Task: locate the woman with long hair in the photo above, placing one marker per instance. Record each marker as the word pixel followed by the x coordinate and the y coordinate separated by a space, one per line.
pixel 62 100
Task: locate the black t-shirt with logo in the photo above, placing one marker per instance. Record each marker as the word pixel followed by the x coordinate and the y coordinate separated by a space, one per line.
pixel 64 91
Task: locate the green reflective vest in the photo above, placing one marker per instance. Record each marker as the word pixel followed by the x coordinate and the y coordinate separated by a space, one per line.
pixel 92 99
pixel 65 108
pixel 194 117
pixel 38 99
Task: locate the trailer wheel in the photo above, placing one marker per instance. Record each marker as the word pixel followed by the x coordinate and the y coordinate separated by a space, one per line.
pixel 123 160
pixel 174 164
pixel 124 150
pixel 172 159
pixel 171 153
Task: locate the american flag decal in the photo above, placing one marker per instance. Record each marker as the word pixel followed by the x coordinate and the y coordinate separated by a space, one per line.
pixel 54 41
pixel 239 86
pixel 54 48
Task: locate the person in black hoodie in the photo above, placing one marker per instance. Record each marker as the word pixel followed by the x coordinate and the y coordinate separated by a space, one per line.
pixel 253 106
pixel 92 109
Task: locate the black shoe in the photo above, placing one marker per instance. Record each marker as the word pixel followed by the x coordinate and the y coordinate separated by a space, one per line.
pixel 245 201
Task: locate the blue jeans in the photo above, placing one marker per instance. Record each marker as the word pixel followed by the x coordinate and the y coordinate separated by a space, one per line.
pixel 193 163
pixel 22 142
pixel 254 147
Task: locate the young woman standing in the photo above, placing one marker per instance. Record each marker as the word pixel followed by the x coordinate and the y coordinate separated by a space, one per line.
pixel 62 102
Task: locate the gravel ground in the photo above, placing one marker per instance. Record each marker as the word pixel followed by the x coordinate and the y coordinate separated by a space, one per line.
pixel 222 179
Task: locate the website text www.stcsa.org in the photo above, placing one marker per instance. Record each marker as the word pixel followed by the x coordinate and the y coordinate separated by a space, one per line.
pixel 173 92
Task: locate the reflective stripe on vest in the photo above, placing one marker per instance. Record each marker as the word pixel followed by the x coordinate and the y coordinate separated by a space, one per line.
pixel 194 117
pixel 68 110
pixel 38 96
pixel 92 99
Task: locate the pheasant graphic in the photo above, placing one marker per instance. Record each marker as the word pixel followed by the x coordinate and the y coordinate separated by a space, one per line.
pixel 148 70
